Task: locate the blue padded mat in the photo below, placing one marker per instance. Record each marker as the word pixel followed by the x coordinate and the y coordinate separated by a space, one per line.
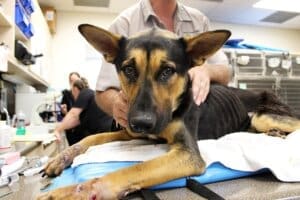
pixel 240 44
pixel 214 173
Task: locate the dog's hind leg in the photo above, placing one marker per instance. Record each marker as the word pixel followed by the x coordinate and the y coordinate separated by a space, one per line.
pixel 271 115
pixel 56 165
pixel 275 125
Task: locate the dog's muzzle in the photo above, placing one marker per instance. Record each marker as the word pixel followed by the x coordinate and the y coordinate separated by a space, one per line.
pixel 142 122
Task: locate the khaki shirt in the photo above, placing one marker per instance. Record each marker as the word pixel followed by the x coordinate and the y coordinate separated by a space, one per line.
pixel 188 21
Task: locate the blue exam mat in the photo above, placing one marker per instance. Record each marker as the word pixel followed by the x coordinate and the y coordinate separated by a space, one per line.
pixel 214 173
pixel 239 44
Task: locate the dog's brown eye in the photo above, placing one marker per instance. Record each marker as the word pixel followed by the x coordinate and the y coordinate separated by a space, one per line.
pixel 130 72
pixel 166 73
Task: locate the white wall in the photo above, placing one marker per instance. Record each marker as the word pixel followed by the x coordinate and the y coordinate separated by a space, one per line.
pixel 286 39
pixel 69 48
pixel 41 42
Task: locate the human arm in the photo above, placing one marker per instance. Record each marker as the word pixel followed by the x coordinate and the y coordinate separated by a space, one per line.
pixel 66 102
pixel 113 102
pixel 71 120
pixel 63 108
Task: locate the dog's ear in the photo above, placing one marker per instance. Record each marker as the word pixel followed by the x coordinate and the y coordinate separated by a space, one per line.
pixel 104 41
pixel 201 46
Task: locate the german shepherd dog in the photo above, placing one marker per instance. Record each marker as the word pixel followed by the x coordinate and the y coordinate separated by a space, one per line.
pixel 153 71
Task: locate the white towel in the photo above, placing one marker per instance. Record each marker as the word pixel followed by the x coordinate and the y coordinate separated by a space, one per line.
pixel 239 151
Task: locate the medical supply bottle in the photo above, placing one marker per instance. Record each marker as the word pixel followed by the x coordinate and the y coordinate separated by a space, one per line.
pixel 20 123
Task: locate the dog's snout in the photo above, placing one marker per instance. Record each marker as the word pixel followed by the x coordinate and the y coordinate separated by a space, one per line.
pixel 142 122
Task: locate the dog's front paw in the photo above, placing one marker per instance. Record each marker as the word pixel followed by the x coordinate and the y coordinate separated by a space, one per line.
pixel 66 193
pixel 57 164
pixel 91 190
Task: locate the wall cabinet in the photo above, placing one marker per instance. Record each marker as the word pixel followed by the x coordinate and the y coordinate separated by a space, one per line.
pixel 41 41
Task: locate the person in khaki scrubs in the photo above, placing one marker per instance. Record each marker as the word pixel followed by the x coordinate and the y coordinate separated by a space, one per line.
pixel 164 14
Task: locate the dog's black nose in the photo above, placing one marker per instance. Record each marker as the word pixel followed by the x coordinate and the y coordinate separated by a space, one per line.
pixel 142 122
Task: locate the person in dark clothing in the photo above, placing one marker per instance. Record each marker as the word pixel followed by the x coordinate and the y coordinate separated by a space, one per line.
pixel 67 98
pixel 73 135
pixel 84 112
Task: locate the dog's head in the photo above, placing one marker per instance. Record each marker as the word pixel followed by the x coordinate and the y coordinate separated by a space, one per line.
pixel 152 69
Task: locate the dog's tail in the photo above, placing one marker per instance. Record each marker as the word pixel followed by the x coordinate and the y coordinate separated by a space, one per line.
pixel 269 103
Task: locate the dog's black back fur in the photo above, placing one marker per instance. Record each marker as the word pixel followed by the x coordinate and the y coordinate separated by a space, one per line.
pixel 223 112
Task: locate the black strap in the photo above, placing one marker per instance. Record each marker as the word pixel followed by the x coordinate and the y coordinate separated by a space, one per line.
pixel 201 190
pixel 191 184
pixel 144 193
pixel 149 195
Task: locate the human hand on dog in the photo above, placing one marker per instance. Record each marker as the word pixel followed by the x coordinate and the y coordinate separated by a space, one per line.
pixel 120 109
pixel 200 77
